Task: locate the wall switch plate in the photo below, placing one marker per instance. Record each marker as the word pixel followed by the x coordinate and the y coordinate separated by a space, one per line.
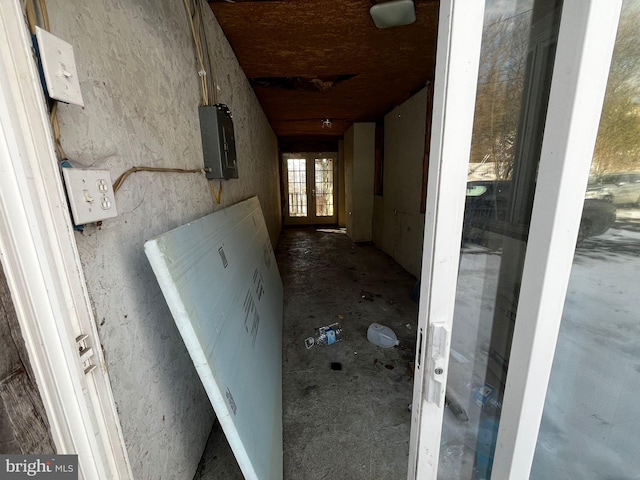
pixel 90 193
pixel 59 67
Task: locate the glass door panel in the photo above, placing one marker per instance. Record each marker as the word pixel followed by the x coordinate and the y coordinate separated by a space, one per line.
pixel 591 421
pixel 297 186
pixel 516 60
pixel 324 187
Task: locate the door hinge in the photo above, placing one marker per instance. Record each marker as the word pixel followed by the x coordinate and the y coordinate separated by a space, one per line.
pixel 85 353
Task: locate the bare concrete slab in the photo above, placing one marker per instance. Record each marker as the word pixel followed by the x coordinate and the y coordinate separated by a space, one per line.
pixel 351 423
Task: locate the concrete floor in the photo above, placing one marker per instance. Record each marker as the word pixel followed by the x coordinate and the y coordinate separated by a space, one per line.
pixel 351 423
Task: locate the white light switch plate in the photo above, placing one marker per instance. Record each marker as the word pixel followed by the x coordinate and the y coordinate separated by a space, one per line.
pixel 59 66
pixel 90 195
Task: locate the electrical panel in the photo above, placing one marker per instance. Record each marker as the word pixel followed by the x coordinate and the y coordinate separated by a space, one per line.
pixel 218 141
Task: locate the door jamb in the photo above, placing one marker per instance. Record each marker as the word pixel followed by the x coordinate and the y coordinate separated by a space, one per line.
pixel 43 269
pixel 458 56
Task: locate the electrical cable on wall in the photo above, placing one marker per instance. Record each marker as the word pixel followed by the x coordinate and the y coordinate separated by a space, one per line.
pixel 44 13
pixel 216 196
pixel 205 64
pixel 120 180
pixel 53 105
pixel 195 14
pixel 55 126
pixel 207 57
pixel 202 72
pixel 31 16
pixel 199 35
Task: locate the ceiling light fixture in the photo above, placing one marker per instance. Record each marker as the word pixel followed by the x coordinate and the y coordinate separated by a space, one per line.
pixel 326 123
pixel 393 14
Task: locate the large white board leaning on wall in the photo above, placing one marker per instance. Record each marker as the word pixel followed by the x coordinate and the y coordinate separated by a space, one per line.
pixel 219 277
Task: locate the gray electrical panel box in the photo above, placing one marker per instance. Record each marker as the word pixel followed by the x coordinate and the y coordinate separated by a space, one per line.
pixel 218 141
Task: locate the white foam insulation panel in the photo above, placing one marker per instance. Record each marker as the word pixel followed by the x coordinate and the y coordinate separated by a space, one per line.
pixel 219 277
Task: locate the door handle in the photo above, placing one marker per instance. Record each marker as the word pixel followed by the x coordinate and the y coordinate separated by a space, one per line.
pixel 436 363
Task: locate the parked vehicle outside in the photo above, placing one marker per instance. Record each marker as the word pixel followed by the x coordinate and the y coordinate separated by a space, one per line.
pixel 618 188
pixel 487 211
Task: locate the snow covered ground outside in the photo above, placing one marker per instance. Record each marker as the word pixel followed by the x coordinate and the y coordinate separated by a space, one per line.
pixel 591 422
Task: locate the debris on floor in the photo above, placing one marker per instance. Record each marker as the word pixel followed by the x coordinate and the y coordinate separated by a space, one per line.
pixel 393 303
pixel 308 389
pixel 355 416
pixel 327 335
pixel 382 336
pixel 368 296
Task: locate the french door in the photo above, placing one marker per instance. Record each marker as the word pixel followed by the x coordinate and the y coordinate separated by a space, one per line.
pixel 310 188
pixel 504 209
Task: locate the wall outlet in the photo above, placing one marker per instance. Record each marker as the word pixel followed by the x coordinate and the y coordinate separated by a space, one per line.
pixel 90 193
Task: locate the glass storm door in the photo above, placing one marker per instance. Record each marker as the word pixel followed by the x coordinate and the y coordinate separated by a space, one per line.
pixel 518 93
pixel 591 420
pixel 309 180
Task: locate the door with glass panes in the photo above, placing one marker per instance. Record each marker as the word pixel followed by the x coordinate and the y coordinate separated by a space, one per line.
pixel 309 180
pixel 518 92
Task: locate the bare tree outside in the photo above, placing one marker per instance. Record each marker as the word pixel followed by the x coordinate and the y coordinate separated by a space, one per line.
pixel 500 84
pixel 617 148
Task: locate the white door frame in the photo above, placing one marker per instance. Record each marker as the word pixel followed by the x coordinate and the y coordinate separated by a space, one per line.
pixel 458 55
pixel 43 269
pixel 586 38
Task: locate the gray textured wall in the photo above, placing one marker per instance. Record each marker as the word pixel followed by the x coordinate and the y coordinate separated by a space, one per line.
pixel 138 74
pixel 398 225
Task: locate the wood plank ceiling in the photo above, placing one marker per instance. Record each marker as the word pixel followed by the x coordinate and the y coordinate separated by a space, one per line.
pixel 310 60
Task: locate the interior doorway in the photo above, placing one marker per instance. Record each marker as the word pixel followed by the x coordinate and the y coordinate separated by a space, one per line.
pixel 309 182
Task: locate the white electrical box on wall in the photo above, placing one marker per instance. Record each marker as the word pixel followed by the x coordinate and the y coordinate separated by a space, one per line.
pixel 90 193
pixel 59 68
